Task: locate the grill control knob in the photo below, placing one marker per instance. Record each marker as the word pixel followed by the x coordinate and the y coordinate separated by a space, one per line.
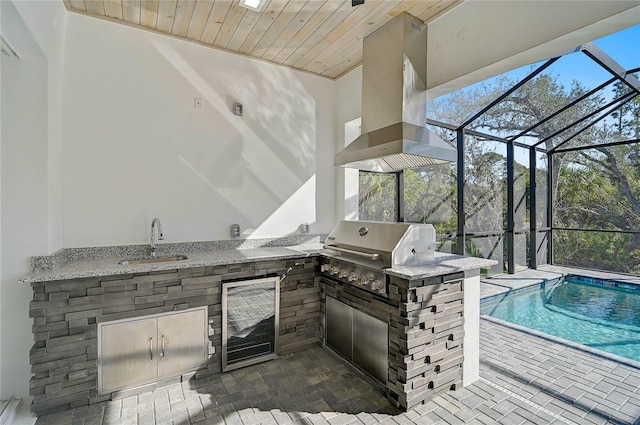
pixel 376 285
pixel 353 277
pixel 324 268
pixel 370 276
pixel 334 270
pixel 343 273
pixel 363 280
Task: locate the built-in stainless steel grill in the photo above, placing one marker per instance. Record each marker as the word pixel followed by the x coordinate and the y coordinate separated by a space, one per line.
pixel 359 251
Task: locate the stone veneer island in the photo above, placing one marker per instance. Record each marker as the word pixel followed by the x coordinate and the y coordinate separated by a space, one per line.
pixel 432 313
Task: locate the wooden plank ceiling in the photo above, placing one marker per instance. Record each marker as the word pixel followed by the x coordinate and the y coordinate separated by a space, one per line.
pixel 317 36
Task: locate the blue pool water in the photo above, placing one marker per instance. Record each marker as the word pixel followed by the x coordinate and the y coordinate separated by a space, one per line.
pixel 600 317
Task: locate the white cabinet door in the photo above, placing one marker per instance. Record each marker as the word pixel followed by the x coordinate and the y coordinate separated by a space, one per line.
pixel 128 353
pixel 182 342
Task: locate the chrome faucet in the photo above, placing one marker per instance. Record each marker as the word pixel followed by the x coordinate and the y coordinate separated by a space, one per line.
pixel 155 224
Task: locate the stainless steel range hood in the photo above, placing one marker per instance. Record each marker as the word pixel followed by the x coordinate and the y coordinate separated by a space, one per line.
pixel 394 97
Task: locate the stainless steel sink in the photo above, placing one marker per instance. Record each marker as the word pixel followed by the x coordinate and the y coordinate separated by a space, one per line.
pixel 150 260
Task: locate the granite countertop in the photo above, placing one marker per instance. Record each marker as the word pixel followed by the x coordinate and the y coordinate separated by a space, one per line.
pixel 108 266
pixel 105 264
pixel 443 264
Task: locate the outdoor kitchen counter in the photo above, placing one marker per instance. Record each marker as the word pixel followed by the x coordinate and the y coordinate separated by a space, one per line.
pixel 443 264
pixel 77 269
pixel 85 291
pixel 97 267
pixel 80 288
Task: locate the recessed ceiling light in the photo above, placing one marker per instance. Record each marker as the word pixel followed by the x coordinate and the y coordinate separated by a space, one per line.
pixel 255 5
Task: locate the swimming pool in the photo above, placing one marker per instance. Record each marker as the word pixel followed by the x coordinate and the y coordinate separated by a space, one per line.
pixel 600 314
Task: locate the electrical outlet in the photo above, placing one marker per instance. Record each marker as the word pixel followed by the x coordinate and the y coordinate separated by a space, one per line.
pixel 197 103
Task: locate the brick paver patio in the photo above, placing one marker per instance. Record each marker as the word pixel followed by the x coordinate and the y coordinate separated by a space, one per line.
pixel 524 379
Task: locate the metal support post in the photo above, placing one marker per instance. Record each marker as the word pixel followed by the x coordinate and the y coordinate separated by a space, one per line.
pixel 461 204
pixel 400 196
pixel 533 211
pixel 550 196
pixel 511 237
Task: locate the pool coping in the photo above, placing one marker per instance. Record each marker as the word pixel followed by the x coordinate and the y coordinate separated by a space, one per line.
pixel 503 283
pixel 517 290
pixel 510 290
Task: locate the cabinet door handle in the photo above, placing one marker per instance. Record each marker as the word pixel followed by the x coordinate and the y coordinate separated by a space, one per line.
pixel 151 348
pixel 162 352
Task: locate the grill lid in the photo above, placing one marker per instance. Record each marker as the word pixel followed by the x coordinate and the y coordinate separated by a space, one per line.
pixel 384 244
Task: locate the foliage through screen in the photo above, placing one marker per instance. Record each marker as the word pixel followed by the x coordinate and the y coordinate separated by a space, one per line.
pixel 597 188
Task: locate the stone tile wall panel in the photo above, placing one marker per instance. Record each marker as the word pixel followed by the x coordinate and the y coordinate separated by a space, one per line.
pixel 426 327
pixel 65 314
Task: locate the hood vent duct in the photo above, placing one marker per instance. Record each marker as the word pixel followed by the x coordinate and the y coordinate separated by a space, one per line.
pixel 394 101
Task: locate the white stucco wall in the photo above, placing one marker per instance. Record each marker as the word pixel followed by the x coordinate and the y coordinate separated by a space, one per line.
pixel 348 107
pixel 471 345
pixel 135 148
pixel 46 21
pixel 23 191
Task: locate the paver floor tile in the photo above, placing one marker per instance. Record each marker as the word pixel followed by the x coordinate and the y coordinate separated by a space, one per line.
pixel 525 379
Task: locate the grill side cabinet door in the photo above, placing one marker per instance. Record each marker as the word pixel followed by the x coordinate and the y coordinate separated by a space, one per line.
pixel 340 327
pixel 127 354
pixel 371 345
pixel 182 342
